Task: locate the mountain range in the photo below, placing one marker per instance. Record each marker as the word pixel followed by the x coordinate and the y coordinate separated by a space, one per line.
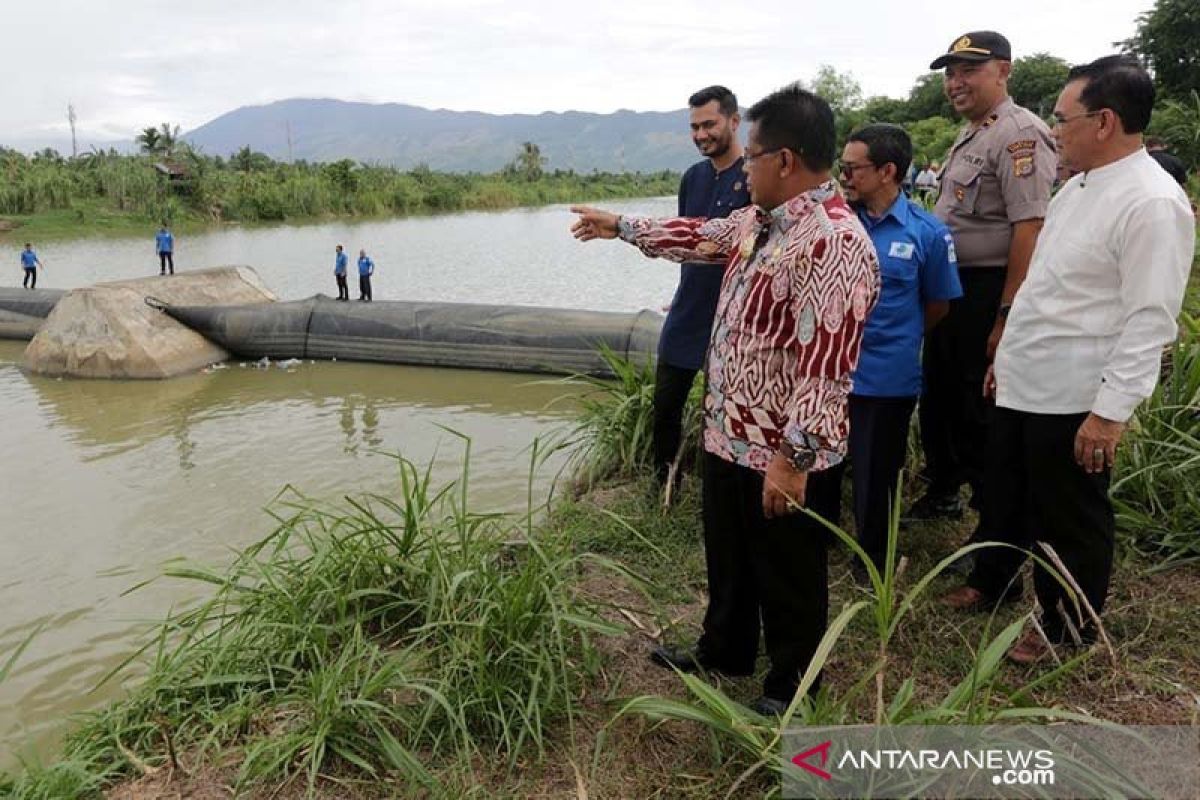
pixel 406 136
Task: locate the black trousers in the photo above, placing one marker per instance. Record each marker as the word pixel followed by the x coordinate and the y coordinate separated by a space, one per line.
pixel 771 572
pixel 878 448
pixel 671 387
pixel 364 287
pixel 30 279
pixel 343 290
pixel 1034 491
pixel 166 260
pixel 953 412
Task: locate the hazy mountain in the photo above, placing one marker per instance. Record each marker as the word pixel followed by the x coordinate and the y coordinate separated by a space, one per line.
pixel 458 141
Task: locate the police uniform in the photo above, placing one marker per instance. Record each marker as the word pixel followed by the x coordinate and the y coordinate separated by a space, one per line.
pixel 998 173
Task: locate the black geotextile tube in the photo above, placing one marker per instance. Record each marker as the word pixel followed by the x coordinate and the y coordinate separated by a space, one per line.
pixel 22 311
pixel 468 335
pixel 35 303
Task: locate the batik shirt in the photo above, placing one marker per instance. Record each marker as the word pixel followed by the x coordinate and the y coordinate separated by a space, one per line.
pixel 798 285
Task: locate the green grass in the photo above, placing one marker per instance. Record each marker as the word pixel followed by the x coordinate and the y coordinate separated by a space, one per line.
pixel 387 638
pixel 612 437
pixel 1156 487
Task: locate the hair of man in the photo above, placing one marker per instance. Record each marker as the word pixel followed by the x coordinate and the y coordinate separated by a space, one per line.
pixel 796 119
pixel 1120 84
pixel 726 100
pixel 886 144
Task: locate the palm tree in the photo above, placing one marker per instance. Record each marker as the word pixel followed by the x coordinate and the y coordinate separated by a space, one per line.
pixel 530 161
pixel 168 137
pixel 148 140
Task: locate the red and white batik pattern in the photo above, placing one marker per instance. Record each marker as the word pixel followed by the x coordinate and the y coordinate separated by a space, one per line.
pixel 789 321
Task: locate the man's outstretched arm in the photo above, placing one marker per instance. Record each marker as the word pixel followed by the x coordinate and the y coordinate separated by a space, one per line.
pixel 693 239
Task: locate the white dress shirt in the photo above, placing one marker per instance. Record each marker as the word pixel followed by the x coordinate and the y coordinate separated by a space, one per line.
pixel 1105 285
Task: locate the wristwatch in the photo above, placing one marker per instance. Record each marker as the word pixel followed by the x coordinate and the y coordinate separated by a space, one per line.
pixel 801 459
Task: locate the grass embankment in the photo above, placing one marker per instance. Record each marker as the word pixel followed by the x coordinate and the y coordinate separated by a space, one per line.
pixel 108 194
pixel 409 647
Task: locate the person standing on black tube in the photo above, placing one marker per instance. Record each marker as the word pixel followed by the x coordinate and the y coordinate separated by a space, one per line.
pixel 339 273
pixel 366 268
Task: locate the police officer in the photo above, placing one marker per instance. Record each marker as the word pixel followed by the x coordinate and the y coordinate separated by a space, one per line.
pixel 994 191
pixel 714 187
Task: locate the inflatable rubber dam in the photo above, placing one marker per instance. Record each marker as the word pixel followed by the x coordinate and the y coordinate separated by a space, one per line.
pixel 458 335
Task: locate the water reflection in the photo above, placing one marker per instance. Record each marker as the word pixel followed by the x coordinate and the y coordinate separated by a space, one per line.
pixel 108 480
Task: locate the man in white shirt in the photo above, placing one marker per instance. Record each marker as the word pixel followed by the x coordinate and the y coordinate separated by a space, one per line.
pixel 1080 351
pixel 927 180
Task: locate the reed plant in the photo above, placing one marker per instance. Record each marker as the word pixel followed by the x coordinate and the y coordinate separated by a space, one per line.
pixel 613 435
pixel 377 637
pixel 754 742
pixel 1156 485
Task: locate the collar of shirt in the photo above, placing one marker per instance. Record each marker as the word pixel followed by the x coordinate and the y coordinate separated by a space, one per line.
pixel 785 216
pixel 736 166
pixel 1111 171
pixel 898 211
pixel 970 129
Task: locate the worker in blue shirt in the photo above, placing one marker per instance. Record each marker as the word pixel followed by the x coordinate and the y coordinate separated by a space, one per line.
pixel 339 273
pixel 918 279
pixel 366 268
pixel 164 245
pixel 714 187
pixel 30 263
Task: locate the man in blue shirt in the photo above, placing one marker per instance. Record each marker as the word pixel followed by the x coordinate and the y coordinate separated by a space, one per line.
pixel 30 263
pixel 164 244
pixel 339 273
pixel 710 188
pixel 366 268
pixel 918 278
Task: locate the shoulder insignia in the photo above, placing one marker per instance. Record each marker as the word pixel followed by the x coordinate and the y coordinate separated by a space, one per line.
pixel 1023 165
pixel 1022 144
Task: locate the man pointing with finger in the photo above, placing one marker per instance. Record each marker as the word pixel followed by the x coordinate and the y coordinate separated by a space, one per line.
pixel 800 276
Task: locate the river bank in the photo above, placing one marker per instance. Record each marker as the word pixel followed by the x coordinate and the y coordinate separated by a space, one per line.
pixel 112 195
pixel 404 645
pixel 586 747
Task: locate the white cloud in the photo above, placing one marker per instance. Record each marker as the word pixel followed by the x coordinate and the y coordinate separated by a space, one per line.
pixel 126 64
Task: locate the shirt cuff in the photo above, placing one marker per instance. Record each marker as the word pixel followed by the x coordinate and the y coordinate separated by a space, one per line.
pixel 1113 405
pixel 626 230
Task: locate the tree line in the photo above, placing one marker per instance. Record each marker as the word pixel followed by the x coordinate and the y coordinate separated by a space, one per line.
pixel 169 180
pixel 1164 40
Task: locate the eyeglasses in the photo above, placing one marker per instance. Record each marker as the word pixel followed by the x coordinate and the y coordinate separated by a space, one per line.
pixel 1060 120
pixel 847 170
pixel 750 158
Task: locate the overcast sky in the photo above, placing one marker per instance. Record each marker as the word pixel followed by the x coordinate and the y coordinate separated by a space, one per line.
pixel 126 64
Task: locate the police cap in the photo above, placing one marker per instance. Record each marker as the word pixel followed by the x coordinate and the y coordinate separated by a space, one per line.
pixel 975 46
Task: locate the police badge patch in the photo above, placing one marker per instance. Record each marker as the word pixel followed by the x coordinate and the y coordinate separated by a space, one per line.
pixel 1023 165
